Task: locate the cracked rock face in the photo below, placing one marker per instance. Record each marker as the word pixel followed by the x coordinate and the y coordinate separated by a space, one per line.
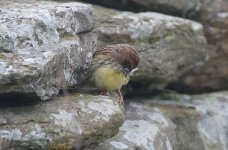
pixel 73 121
pixel 213 125
pixel 44 46
pixel 201 120
pixel 212 76
pixel 143 129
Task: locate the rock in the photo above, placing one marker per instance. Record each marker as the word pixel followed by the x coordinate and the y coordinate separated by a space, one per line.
pixel 77 120
pixel 174 121
pixel 213 75
pixel 214 123
pixel 213 72
pixel 143 129
pixel 201 120
pixel 182 8
pixel 44 46
pixel 168 46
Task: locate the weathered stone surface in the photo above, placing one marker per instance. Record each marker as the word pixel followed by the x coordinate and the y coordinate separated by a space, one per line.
pixel 174 121
pixel 213 75
pixel 143 129
pixel 168 46
pixel 183 8
pixel 73 121
pixel 214 123
pixel 43 46
pixel 201 120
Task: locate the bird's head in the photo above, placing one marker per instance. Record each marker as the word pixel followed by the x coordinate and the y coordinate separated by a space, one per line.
pixel 123 54
pixel 127 57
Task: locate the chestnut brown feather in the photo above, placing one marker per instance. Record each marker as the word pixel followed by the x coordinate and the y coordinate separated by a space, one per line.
pixel 124 54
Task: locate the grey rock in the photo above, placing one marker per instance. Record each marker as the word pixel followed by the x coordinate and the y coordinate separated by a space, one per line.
pixel 168 46
pixel 201 120
pixel 72 121
pixel 143 129
pixel 44 46
pixel 212 75
pixel 213 125
pixel 213 15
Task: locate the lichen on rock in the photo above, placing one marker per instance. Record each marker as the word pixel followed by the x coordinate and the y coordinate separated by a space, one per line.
pixel 44 46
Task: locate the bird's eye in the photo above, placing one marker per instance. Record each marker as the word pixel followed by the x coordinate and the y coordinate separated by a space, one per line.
pixel 127 67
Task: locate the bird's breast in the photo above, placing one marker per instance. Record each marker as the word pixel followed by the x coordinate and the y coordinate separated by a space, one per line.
pixel 107 78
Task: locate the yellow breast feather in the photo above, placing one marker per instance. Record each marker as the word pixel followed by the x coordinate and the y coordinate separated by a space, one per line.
pixel 109 79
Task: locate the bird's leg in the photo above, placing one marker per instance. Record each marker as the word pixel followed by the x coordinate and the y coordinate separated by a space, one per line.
pixel 120 97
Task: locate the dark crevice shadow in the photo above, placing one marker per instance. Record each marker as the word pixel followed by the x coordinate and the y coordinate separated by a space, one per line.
pixel 17 99
pixel 137 89
pixel 81 89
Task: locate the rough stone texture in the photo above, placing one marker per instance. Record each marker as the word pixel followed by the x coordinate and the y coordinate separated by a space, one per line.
pixel 201 120
pixel 184 8
pixel 168 46
pixel 213 126
pixel 213 75
pixel 73 121
pixel 43 46
pixel 143 129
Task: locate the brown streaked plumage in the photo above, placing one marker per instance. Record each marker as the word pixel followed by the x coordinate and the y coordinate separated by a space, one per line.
pixel 112 66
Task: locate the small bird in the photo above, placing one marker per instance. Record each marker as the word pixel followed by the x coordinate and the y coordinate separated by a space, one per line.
pixel 112 67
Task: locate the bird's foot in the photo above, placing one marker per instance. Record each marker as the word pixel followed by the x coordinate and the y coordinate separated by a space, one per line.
pixel 120 97
pixel 121 101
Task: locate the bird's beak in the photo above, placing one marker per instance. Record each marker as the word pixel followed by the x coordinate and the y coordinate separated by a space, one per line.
pixel 132 71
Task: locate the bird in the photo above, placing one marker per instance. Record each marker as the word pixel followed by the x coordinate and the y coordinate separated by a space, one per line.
pixel 112 67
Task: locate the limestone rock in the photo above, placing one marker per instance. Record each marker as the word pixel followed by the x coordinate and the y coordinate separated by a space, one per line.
pixel 214 122
pixel 168 46
pixel 212 14
pixel 44 46
pixel 201 120
pixel 174 121
pixel 143 129
pixel 213 74
pixel 76 120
